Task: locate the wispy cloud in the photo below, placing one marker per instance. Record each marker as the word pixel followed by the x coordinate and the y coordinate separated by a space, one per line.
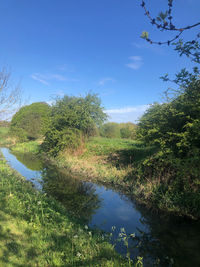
pixel 45 78
pixel 39 79
pixel 135 62
pixel 128 109
pixel 105 80
pixel 126 114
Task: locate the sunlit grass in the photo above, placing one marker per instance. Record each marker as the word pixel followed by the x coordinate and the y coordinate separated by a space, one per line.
pixel 30 147
pixel 36 230
pixel 104 146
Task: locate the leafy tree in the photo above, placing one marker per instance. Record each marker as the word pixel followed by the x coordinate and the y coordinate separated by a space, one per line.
pixel 110 130
pixel 30 121
pixel 170 178
pixel 71 120
pixel 174 126
pixel 128 130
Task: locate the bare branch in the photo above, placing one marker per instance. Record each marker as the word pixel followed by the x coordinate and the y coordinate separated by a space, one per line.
pixel 163 22
pixel 10 97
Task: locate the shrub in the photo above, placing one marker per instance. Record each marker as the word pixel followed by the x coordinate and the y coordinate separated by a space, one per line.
pixel 72 119
pixel 30 122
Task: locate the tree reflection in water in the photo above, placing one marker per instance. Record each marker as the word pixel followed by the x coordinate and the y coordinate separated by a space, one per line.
pixel 169 241
pixel 78 197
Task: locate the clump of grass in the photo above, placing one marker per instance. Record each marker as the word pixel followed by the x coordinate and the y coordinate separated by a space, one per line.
pixel 26 147
pixel 37 231
pixel 5 140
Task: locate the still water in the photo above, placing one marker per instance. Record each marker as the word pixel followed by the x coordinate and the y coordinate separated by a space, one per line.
pixel 161 241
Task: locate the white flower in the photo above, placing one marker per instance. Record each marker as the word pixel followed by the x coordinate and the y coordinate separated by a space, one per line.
pixel 78 254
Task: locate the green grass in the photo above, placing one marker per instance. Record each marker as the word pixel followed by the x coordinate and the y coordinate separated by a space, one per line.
pixel 30 147
pixel 3 131
pixel 35 230
pixel 119 152
pixel 4 136
pixel 100 146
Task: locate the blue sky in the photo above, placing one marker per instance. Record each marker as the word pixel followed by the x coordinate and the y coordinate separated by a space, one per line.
pixel 57 47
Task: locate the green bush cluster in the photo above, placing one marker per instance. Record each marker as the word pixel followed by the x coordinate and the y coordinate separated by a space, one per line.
pixel 30 122
pixel 174 126
pixel 72 119
pixel 171 177
pixel 118 130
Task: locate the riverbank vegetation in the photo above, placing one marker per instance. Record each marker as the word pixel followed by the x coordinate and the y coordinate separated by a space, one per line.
pixel 160 168
pixel 38 231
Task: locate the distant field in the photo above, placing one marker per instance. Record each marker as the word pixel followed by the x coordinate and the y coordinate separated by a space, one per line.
pixel 104 146
pixel 119 151
pixel 3 131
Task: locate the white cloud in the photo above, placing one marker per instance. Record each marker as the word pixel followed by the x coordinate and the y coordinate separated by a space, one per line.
pixel 126 114
pixel 105 80
pixel 45 78
pixel 39 79
pixel 136 62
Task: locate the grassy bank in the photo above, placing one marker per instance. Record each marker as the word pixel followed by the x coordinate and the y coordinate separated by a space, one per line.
pixel 108 161
pixel 159 182
pixel 5 140
pixel 37 231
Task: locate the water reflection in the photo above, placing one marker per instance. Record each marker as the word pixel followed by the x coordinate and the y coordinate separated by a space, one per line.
pixel 78 197
pixel 162 241
pixel 30 160
pixel 170 241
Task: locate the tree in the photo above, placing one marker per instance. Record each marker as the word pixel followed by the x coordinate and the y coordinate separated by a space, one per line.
pixel 10 96
pixel 72 119
pixel 174 126
pixel 110 130
pixel 128 130
pixel 30 121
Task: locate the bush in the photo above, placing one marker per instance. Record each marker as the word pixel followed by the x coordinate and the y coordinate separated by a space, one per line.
pixel 30 122
pixel 72 119
pixel 56 141
pixel 174 126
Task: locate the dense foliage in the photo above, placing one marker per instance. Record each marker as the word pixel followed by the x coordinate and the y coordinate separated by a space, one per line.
pixel 118 130
pixel 175 126
pixel 72 119
pixel 172 175
pixel 30 122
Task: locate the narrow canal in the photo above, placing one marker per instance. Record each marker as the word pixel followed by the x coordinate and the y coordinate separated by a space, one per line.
pixel 161 241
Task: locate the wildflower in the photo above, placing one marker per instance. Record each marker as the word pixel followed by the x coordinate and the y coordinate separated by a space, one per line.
pixel 39 202
pixel 78 254
pixel 75 236
pixel 113 228
pixel 132 235
pixel 86 227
